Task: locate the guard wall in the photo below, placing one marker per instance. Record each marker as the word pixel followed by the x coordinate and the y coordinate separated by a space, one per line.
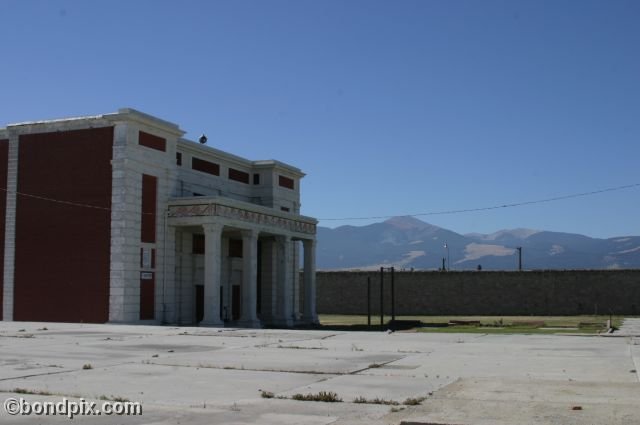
pixel 569 292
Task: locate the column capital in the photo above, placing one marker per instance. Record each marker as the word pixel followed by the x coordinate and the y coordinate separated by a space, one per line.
pixel 250 233
pixel 212 227
pixel 283 238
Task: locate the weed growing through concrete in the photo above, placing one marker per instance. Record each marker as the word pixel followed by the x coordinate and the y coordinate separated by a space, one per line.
pixel 34 392
pixel 298 347
pixel 87 366
pixel 325 396
pixel 41 392
pixel 114 398
pixel 267 394
pixel 377 400
pixel 414 401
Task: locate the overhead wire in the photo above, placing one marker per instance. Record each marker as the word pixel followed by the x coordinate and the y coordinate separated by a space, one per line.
pixel 379 217
pixel 494 207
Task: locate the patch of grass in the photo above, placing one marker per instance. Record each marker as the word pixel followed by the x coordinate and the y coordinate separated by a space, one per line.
pixel 584 324
pixel 87 366
pixel 324 396
pixel 267 394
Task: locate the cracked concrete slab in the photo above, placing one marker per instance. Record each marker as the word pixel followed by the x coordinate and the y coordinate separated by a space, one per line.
pixel 206 375
pixel 507 401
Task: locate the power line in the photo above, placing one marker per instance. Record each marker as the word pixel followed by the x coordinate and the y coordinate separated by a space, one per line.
pixel 444 212
pixel 495 207
pixel 60 201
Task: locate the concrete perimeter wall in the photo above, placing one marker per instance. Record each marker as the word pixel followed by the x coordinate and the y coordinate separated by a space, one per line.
pixel 553 292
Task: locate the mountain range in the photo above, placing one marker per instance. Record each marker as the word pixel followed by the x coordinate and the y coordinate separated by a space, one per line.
pixel 406 242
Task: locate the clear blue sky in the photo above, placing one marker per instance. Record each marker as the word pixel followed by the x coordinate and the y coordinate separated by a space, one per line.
pixel 391 107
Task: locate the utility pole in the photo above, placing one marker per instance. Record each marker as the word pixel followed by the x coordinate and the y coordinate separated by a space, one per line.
pixel 519 258
pixel 446 246
pixel 381 298
pixel 369 302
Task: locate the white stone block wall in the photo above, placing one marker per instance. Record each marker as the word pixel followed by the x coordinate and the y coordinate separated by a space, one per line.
pixel 10 228
pixel 130 162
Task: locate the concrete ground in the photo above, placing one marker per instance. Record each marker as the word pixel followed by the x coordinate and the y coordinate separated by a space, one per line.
pixel 203 376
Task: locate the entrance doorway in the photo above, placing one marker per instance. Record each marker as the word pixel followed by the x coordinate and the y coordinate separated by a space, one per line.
pixel 199 303
pixel 235 302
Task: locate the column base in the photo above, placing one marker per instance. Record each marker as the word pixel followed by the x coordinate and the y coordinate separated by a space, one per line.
pixel 283 323
pixel 211 324
pixel 254 324
pixel 313 320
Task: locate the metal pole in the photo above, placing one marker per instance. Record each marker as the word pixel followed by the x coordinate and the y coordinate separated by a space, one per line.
pixel 393 296
pixel 381 297
pixel 369 302
pixel 519 258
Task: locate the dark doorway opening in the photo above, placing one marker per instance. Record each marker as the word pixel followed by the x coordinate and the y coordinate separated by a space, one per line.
pixel 235 302
pixel 199 303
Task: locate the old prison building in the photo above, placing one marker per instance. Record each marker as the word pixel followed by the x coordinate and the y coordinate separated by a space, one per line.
pixel 118 218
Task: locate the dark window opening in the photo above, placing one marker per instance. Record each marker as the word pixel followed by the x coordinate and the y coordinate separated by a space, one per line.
pixel 256 179
pixel 235 248
pixel 148 216
pixel 151 141
pixel 285 182
pixel 197 244
pixel 285 209
pixel 178 158
pixel 205 166
pixel 197 194
pixel 239 176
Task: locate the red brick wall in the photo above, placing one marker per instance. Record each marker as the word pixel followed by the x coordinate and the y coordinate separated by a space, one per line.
pixel 4 156
pixel 63 251
pixel 148 218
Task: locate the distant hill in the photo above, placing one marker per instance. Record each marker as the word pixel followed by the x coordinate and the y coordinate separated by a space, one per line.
pixel 406 242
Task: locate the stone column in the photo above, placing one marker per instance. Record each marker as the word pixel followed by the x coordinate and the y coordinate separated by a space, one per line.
pixel 249 317
pixel 310 314
pixel 212 274
pixel 186 288
pixel 284 299
pixel 269 280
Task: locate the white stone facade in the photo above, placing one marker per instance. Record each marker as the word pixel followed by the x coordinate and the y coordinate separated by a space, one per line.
pixel 248 215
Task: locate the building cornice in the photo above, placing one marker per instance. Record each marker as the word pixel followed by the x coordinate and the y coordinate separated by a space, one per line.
pixel 130 114
pixel 208 151
pixel 213 206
